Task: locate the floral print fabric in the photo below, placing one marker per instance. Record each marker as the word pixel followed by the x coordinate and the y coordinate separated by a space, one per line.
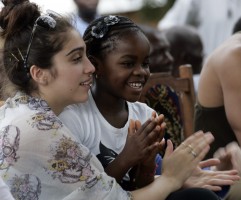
pixel 40 159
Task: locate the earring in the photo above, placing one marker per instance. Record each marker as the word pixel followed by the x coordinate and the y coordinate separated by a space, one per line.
pixel 45 80
pixel 96 76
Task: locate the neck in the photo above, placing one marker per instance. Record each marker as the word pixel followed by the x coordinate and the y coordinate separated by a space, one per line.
pixel 57 106
pixel 111 107
pixel 107 103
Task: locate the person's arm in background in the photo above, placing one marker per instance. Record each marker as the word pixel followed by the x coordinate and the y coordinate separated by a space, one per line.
pixel 229 156
pixel 229 72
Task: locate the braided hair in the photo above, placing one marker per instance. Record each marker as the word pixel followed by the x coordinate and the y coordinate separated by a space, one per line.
pixel 102 34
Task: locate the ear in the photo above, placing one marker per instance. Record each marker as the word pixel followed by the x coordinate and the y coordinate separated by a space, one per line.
pixel 39 75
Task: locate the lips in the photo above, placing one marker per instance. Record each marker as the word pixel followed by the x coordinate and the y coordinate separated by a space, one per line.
pixel 87 82
pixel 136 85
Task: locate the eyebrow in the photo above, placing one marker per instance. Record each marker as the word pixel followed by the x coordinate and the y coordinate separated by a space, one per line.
pixel 129 56
pixel 76 49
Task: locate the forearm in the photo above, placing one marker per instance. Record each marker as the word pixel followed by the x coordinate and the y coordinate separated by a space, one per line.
pixel 145 175
pixel 159 189
pixel 118 168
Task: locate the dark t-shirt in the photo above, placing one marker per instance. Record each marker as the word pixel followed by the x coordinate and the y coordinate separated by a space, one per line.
pixel 215 121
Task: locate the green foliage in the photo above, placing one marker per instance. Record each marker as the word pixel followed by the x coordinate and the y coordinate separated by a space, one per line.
pixel 151 13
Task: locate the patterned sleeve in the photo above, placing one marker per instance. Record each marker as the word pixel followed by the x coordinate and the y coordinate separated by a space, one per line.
pixel 40 159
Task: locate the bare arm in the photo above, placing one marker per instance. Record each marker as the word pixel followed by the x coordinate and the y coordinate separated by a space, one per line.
pixel 229 74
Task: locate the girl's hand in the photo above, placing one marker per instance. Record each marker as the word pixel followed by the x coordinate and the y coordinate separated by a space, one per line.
pixel 143 140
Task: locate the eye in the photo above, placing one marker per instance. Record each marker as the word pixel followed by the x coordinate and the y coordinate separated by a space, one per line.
pixel 128 64
pixel 77 59
pixel 146 64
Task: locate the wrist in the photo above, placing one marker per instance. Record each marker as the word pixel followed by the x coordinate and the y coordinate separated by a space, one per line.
pixel 173 182
pixel 124 163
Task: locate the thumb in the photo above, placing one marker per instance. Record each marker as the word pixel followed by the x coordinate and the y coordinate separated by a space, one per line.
pixel 137 124
pixel 169 148
pixel 153 114
pixel 131 128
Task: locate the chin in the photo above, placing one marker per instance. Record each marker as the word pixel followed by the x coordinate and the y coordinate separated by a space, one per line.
pixel 81 99
pixel 133 98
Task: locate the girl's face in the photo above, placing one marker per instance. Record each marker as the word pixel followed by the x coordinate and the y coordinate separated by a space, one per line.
pixel 73 72
pixel 124 70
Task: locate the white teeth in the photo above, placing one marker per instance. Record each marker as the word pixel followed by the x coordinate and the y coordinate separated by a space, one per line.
pixel 85 84
pixel 135 85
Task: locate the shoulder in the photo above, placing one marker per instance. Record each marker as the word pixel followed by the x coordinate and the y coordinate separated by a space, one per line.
pixel 226 56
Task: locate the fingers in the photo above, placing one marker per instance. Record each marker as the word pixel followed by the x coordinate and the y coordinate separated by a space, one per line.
pixel 214 180
pixel 169 148
pixel 131 128
pixel 198 144
pixel 213 188
pixel 140 128
pixel 157 134
pixel 209 163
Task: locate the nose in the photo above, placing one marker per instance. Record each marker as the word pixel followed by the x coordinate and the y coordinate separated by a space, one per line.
pixel 139 70
pixel 89 67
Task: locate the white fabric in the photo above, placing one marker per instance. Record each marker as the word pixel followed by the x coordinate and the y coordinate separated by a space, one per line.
pixel 4 191
pixel 41 160
pixel 196 78
pixel 79 24
pixel 90 128
pixel 214 19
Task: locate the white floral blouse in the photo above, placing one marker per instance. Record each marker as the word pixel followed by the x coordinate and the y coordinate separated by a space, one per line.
pixel 41 160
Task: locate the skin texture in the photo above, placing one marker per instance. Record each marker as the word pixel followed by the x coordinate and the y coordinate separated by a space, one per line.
pixel 172 177
pixel 117 75
pixel 72 75
pixel 230 157
pixel 220 82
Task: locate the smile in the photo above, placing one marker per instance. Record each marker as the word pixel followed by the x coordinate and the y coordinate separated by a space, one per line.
pixel 135 85
pixel 87 83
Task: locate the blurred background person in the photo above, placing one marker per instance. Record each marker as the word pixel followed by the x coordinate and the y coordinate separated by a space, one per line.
pixel 237 26
pixel 161 59
pixel 86 13
pixel 186 47
pixel 164 100
pixel 214 25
